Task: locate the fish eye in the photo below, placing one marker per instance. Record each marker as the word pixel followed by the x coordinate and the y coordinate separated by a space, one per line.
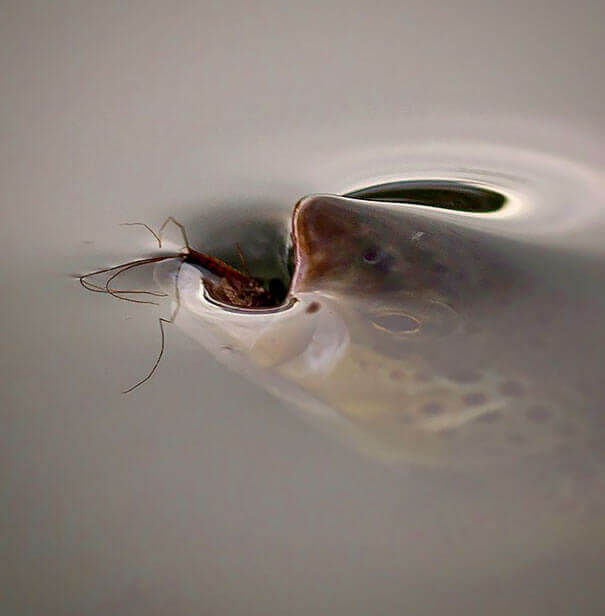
pixel 373 255
pixel 379 259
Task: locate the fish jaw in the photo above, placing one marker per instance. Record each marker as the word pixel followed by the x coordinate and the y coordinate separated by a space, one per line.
pixel 307 333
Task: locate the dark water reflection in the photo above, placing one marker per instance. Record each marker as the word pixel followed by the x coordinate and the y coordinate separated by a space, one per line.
pixel 436 193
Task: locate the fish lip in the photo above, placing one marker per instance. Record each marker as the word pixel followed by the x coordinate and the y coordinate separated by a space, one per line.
pixel 300 262
pixel 299 246
pixel 288 302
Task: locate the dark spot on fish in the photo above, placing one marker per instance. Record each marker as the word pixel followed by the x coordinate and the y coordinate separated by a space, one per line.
pixel 511 388
pixel 563 449
pixel 313 307
pixel 422 377
pixel 517 439
pixel 396 375
pixel 432 408
pixel 596 444
pixel 475 399
pixel 538 413
pixel 544 316
pixel 432 354
pixel 449 433
pixel 538 341
pixel 439 268
pixel 489 417
pixel 473 328
pixel 485 284
pixel 464 376
pixel 565 429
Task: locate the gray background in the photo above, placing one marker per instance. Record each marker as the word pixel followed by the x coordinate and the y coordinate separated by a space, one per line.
pixel 200 493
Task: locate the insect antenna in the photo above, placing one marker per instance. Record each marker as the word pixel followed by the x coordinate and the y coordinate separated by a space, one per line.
pixel 161 322
pixel 119 269
pixel 128 266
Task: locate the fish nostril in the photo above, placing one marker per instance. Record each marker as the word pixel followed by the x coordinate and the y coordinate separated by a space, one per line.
pixel 396 323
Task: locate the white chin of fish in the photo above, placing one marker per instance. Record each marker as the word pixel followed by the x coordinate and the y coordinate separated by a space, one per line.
pixel 259 343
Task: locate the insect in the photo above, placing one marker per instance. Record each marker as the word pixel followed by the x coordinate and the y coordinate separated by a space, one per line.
pixel 224 283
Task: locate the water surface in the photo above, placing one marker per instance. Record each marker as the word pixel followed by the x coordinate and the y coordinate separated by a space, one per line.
pixel 202 493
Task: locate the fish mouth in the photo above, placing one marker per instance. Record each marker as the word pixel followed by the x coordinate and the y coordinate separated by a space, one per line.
pixel 319 225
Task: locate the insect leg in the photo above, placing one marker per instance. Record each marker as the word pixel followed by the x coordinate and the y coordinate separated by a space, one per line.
pixel 116 293
pixel 142 224
pixel 161 321
pixel 180 226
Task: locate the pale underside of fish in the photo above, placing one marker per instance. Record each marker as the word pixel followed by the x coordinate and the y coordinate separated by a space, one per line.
pixel 416 337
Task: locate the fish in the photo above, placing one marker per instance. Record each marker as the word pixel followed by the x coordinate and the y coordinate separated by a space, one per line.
pixel 417 337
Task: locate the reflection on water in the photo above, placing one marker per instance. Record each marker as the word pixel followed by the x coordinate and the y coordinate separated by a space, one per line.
pixel 548 198
pixel 431 344
pixel 436 193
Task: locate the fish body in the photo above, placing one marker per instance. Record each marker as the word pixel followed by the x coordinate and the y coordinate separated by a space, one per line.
pixel 416 336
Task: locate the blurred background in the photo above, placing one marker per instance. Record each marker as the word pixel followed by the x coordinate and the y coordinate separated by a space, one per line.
pixel 200 493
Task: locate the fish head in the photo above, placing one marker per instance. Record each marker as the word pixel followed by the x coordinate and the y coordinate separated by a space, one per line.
pixel 406 274
pixel 361 248
pixel 399 322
